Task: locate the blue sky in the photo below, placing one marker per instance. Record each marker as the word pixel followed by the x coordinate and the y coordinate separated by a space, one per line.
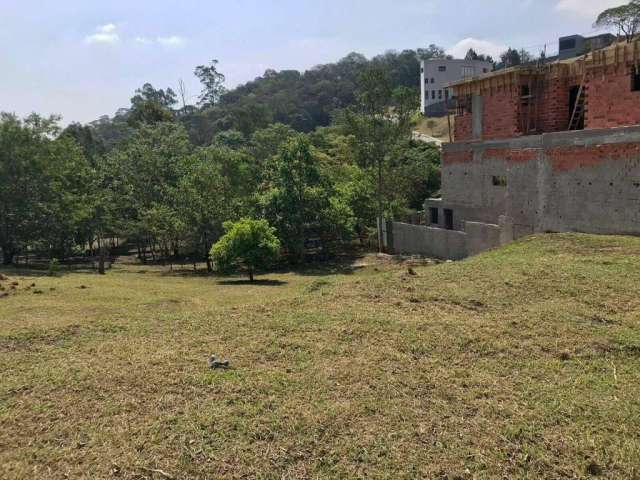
pixel 84 58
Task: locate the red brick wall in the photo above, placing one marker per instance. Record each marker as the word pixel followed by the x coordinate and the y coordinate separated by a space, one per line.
pixel 512 155
pixel 449 158
pixel 554 115
pixel 569 158
pixel 610 101
pixel 562 159
pixel 500 113
pixel 462 129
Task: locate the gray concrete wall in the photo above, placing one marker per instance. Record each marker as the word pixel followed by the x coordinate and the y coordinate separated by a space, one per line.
pixel 597 197
pixel 429 241
pixel 481 237
pixel 595 193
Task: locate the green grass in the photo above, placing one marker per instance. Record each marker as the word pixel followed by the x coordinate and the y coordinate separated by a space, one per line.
pixel 523 362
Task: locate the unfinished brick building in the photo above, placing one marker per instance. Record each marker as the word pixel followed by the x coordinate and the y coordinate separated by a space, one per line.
pixel 548 148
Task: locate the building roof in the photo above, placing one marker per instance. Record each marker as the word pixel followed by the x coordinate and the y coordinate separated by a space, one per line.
pixel 619 52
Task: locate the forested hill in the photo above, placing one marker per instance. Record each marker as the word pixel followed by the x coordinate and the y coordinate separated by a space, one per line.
pixel 302 100
pixel 307 100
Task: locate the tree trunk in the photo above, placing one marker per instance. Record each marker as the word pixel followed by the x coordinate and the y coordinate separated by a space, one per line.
pixel 206 253
pixel 7 255
pixel 251 274
pixel 101 259
pixel 380 211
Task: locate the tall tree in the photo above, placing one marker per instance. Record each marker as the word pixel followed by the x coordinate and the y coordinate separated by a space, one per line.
pixel 381 120
pixel 625 18
pixel 43 186
pixel 212 84
pixel 300 202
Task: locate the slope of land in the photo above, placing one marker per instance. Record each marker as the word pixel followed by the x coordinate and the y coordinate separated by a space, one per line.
pixel 436 127
pixel 523 362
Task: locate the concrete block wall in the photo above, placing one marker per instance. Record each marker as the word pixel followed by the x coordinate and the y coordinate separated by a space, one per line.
pixel 481 237
pixel 428 241
pixel 587 181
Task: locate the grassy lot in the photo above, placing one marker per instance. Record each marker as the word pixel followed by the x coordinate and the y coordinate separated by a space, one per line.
pixel 520 363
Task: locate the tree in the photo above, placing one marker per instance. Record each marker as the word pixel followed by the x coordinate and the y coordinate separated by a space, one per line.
pixel 626 18
pixel 44 185
pixel 149 105
pixel 513 58
pixel 382 119
pixel 248 244
pixel 212 84
pixel 300 202
pixel 215 186
pixel 473 55
pixel 431 52
pixel 146 173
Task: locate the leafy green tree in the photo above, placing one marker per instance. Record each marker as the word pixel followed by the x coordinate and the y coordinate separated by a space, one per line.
pixel 300 202
pixel 473 55
pixel 43 186
pixel 212 84
pixel 251 245
pixel 93 147
pixel 414 175
pixel 150 105
pixel 215 186
pixel 111 131
pixel 626 18
pixel 147 171
pixel 380 121
pixel 267 142
pixel 431 52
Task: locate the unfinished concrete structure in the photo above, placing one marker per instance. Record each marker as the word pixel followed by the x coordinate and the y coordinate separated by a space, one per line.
pixel 546 148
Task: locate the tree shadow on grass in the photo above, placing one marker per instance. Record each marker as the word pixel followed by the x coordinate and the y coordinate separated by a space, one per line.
pixel 255 283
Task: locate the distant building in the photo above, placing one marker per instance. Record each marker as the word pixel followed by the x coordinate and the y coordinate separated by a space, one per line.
pixel 435 74
pixel 576 45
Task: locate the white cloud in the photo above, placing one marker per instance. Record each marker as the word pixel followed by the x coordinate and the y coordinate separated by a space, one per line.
pixel 486 47
pixel 586 8
pixel 106 34
pixel 171 41
pixel 144 40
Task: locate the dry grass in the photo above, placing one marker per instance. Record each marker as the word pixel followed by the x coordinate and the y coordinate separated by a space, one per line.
pixel 436 127
pixel 520 363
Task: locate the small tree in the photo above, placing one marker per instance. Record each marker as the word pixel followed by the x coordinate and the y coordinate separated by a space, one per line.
pixel 626 18
pixel 248 244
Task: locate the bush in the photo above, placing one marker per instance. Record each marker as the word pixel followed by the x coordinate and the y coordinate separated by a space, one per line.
pixel 248 244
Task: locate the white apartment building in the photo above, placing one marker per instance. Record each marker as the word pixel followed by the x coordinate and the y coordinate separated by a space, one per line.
pixel 437 73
